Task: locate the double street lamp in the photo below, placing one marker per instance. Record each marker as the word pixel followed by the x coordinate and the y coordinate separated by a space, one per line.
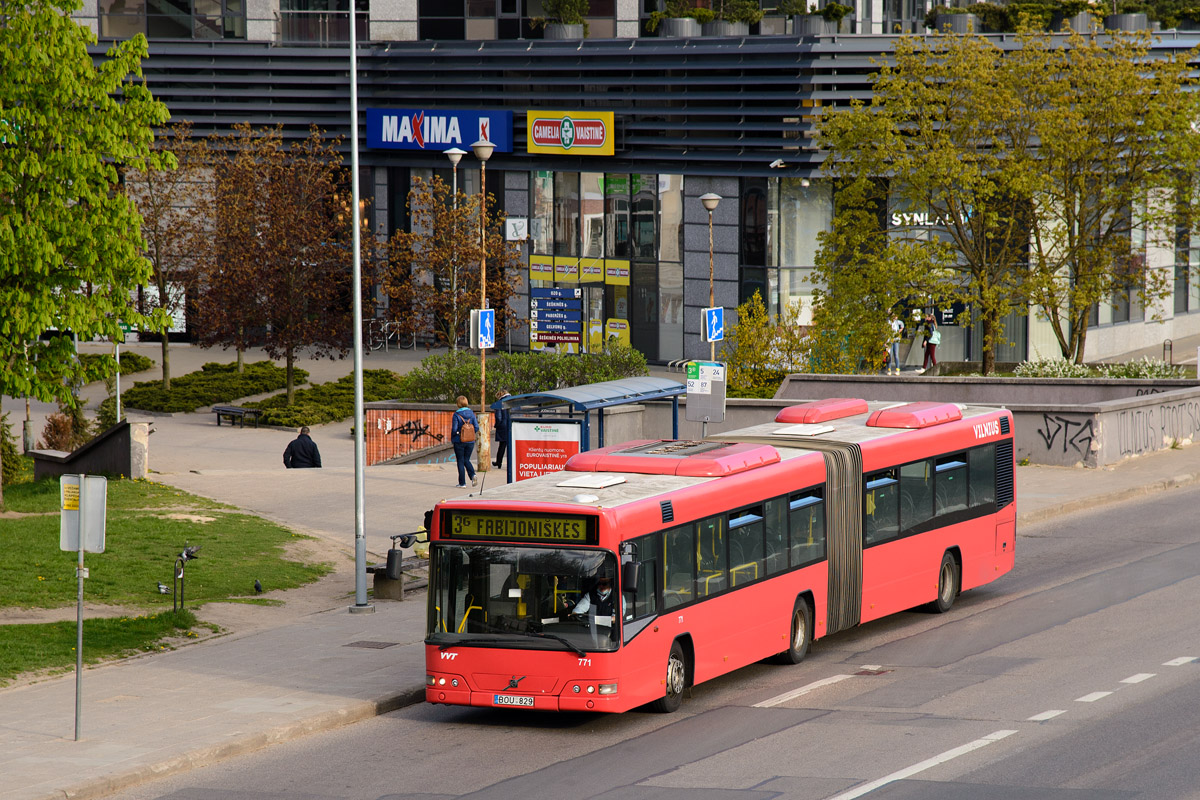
pixel 710 202
pixel 483 151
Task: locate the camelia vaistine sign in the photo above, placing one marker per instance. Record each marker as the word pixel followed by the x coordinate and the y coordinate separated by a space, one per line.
pixel 437 129
pixel 575 132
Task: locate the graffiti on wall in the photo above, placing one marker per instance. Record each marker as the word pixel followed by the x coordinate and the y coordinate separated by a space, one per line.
pixel 414 427
pixel 1072 433
pixel 1142 430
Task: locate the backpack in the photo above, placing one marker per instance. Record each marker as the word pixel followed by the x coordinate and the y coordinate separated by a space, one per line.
pixel 935 338
pixel 467 432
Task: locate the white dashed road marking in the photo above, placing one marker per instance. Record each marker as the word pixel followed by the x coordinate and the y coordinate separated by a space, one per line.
pixel 794 693
pixel 1141 676
pixel 1093 697
pixel 908 772
pixel 1045 715
pixel 1179 662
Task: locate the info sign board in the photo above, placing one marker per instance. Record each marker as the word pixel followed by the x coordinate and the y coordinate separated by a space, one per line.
pixel 580 133
pixel 542 445
pixel 556 315
pixel 705 391
pixel 84 501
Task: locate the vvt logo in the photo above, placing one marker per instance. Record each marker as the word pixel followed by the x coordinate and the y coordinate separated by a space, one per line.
pixel 448 656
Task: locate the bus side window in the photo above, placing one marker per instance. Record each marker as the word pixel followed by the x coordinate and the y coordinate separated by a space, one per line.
pixel 981 473
pixel 645 602
pixel 807 513
pixel 881 520
pixel 776 549
pixel 745 546
pixel 950 483
pixel 679 566
pixel 713 576
pixel 916 494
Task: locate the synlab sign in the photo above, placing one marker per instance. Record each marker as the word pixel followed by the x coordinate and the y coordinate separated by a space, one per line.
pixel 577 133
pixel 437 129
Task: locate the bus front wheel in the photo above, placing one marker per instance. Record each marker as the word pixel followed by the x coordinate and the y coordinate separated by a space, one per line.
pixel 948 583
pixel 676 681
pixel 801 634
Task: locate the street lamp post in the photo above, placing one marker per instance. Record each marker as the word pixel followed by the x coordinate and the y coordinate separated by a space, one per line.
pixel 455 155
pixel 483 151
pixel 710 202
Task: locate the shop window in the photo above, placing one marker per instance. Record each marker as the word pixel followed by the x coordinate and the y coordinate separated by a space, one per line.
pixel 670 214
pixel 754 222
pixel 644 215
pixel 592 211
pixel 566 214
pixel 616 216
pixel 541 222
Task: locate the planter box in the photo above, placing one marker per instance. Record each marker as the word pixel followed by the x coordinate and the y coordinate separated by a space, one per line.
pixel 560 31
pixel 722 27
pixel 958 23
pixel 1126 22
pixel 1083 22
pixel 678 28
pixel 813 25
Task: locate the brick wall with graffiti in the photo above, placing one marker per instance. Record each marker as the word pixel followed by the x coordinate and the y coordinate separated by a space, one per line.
pixel 396 430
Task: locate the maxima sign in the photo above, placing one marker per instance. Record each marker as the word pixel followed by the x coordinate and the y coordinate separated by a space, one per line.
pixel 574 132
pixel 437 129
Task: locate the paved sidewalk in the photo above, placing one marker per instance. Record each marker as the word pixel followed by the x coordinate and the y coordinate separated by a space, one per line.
pixel 167 712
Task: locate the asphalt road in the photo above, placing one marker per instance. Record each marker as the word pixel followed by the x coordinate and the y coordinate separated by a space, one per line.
pixel 1076 677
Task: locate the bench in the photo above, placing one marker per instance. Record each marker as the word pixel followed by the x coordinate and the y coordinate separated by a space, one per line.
pixel 388 589
pixel 237 413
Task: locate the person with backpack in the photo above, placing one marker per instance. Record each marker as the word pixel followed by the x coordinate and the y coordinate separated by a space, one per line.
pixel 464 429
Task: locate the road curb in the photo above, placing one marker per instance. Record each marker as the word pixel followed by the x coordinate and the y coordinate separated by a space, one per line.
pixel 1087 503
pixel 204 756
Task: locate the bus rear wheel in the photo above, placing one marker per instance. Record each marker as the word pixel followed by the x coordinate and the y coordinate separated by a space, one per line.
pixel 801 634
pixel 948 583
pixel 676 680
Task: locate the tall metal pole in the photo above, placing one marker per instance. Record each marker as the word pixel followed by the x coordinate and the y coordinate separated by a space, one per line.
pixel 82 511
pixel 360 462
pixel 483 151
pixel 710 202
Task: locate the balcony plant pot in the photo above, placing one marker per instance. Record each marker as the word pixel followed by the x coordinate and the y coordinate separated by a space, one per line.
pixel 1083 22
pixel 723 27
pixel 958 23
pixel 813 25
pixel 1126 22
pixel 679 28
pixel 561 30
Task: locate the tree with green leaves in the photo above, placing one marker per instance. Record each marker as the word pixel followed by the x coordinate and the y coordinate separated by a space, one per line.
pixel 71 251
pixel 168 200
pixel 1113 129
pixel 949 129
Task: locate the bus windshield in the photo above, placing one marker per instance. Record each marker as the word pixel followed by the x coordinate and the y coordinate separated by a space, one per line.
pixel 527 597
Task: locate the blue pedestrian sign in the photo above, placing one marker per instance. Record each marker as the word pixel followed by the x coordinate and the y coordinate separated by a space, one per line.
pixel 486 338
pixel 714 324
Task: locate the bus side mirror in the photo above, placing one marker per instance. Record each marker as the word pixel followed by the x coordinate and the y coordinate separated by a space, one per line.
pixel 630 572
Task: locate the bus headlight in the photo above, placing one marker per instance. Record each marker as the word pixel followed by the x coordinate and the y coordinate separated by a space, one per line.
pixel 608 688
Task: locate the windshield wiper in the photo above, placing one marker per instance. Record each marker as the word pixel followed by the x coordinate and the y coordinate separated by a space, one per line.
pixel 578 650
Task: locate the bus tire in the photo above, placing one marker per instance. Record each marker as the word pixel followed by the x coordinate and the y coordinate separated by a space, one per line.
pixel 676 681
pixel 801 634
pixel 948 583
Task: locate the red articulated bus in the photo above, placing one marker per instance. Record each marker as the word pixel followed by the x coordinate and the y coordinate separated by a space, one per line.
pixel 651 566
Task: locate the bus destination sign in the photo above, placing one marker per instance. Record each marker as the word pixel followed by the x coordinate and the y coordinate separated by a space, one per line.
pixel 518 527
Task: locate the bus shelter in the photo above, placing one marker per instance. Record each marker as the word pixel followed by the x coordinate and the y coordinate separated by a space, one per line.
pixel 595 397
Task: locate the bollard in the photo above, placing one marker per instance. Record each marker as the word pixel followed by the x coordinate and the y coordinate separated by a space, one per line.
pixel 1168 351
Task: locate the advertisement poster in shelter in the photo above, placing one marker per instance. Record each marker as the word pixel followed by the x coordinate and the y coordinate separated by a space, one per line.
pixel 543 445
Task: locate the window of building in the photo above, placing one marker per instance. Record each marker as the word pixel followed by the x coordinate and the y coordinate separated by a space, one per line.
pixel 321 22
pixel 500 19
pixel 173 19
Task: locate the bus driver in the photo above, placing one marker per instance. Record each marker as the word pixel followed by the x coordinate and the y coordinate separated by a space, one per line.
pixel 598 597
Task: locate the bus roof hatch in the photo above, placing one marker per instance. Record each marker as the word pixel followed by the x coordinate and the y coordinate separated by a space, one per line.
pixel 692 459
pixel 915 415
pixel 822 410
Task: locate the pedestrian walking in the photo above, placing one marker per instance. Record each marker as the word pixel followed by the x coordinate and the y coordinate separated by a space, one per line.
pixel 464 429
pixel 501 433
pixel 933 337
pixel 302 452
pixel 896 326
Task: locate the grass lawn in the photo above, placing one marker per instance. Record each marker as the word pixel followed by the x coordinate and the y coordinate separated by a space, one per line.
pixel 147 526
pixel 34 648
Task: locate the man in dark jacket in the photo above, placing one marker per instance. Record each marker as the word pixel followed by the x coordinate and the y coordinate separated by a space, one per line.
pixel 302 452
pixel 502 417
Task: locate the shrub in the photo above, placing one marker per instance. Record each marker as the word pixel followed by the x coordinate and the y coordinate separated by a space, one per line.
pixel 1145 367
pixel 213 383
pixel 67 429
pixel 130 362
pixel 1052 368
pixel 759 353
pixel 10 457
pixel 328 402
